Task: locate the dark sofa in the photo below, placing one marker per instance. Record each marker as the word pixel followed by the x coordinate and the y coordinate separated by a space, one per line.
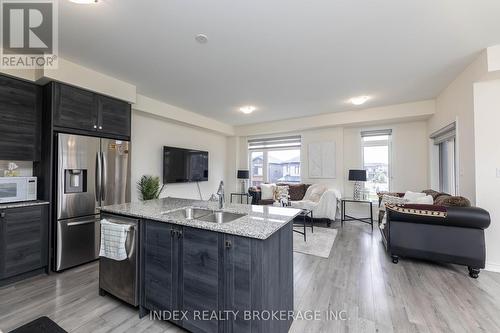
pixel 296 192
pixel 437 233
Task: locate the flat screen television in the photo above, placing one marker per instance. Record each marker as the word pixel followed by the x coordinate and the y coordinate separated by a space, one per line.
pixel 184 165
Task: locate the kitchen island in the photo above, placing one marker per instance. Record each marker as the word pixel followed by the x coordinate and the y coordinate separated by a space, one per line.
pixel 214 272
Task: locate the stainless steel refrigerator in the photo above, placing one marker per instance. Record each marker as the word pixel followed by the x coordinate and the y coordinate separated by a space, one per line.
pixel 91 172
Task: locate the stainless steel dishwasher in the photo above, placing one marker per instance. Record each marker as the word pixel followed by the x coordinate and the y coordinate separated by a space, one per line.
pixel 121 278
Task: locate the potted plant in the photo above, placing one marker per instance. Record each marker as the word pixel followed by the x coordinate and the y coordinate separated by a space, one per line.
pixel 149 187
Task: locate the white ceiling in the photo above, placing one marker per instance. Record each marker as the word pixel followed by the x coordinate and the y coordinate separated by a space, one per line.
pixel 290 58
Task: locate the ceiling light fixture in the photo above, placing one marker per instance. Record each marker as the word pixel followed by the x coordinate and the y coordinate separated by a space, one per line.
pixel 201 38
pixel 248 109
pixel 359 100
pixel 84 2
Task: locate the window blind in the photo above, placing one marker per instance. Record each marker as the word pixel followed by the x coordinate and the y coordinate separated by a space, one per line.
pixel 376 133
pixel 445 134
pixel 275 143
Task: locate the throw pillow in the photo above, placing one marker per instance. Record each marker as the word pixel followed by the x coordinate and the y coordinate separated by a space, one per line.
pixel 434 194
pixel 315 192
pixel 411 196
pixel 452 201
pixel 267 191
pixel 280 192
pixel 393 200
pixel 426 200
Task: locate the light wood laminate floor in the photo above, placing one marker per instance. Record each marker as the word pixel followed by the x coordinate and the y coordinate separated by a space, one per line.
pixel 358 278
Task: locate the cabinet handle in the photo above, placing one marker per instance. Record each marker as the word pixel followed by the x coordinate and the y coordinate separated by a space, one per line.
pixel 95 126
pixel 179 234
pixel 172 232
pixel 100 127
pixel 228 244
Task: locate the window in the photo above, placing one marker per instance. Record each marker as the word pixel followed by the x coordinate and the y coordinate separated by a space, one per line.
pixel 445 144
pixel 257 165
pixel 376 151
pixel 275 160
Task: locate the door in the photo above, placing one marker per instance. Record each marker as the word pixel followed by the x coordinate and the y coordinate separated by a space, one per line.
pixel 200 277
pixel 114 116
pixel 237 282
pixel 160 266
pixel 78 176
pixel 115 177
pixel 20 120
pixel 78 241
pixel 23 240
pixel 74 108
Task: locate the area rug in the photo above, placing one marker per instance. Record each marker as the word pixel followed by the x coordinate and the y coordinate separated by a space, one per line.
pixel 318 243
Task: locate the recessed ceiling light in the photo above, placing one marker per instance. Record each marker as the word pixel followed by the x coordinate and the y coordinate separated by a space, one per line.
pixel 359 100
pixel 248 109
pixel 201 38
pixel 84 2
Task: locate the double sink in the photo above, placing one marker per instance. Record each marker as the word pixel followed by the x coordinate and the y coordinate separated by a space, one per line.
pixel 203 214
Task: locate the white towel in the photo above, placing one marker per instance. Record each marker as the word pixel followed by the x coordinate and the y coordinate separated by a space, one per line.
pixel 113 238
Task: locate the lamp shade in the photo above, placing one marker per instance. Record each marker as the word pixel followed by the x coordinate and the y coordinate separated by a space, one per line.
pixel 357 175
pixel 243 174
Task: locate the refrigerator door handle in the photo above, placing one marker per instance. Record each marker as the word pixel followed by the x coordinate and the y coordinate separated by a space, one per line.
pixel 104 177
pixel 98 181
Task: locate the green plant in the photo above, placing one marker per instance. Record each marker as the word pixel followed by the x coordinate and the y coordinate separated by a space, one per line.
pixel 149 187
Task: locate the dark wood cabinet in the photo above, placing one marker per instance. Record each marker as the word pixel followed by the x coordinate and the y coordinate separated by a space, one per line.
pixel 204 272
pixel 200 280
pixel 23 240
pixel 20 120
pixel 74 108
pixel 113 116
pixel 80 111
pixel 160 263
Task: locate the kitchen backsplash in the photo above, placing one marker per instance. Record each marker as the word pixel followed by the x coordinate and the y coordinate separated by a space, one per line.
pixel 25 168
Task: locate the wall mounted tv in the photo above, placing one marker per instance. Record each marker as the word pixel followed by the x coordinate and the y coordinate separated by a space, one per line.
pixel 184 165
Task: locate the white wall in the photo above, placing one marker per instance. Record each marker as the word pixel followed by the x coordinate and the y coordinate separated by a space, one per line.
pixel 487 163
pixel 456 103
pixel 409 154
pixel 151 133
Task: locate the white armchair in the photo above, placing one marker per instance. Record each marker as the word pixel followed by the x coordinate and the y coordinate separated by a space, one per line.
pixel 323 201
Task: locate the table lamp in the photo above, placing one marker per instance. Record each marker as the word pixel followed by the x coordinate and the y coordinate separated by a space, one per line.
pixel 357 176
pixel 243 175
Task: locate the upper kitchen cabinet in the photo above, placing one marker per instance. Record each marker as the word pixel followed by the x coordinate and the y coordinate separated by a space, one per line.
pixel 113 116
pixel 81 111
pixel 20 119
pixel 74 108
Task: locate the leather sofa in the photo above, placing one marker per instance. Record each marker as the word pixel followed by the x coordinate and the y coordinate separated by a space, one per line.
pixel 438 233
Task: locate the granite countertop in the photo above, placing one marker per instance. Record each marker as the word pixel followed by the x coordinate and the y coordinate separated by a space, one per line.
pixel 23 204
pixel 260 221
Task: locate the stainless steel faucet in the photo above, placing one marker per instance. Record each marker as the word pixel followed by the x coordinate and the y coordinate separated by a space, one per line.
pixel 220 194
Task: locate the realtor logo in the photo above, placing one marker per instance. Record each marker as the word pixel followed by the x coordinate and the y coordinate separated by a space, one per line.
pixel 29 34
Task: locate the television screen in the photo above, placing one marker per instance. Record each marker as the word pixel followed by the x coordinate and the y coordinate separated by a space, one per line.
pixel 184 165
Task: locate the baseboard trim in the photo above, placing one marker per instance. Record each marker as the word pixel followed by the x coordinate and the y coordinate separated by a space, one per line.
pixel 492 267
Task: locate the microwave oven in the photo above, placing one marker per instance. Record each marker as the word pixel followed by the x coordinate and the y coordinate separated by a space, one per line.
pixel 15 189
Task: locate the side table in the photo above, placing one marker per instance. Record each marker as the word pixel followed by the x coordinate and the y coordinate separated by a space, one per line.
pixel 241 195
pixel 344 217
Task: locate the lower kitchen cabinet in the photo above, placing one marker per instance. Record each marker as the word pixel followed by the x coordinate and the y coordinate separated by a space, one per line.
pixel 23 241
pixel 222 276
pixel 200 279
